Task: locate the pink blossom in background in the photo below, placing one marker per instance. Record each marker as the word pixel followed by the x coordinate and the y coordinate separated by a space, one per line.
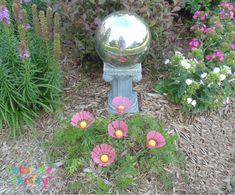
pixel 103 155
pixel 114 129
pixel 200 15
pixel 82 120
pixel 122 59
pixel 195 43
pixel 203 27
pixel 208 57
pixel 196 14
pixel 217 55
pixel 192 28
pixel 155 140
pixel 121 104
pixel 232 46
pixel 4 15
pixel 220 55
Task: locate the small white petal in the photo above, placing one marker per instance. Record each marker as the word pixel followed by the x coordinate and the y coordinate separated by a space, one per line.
pixel 167 61
pixel 228 69
pixel 189 100
pixel 222 77
pixel 216 70
pixel 179 53
pixel 188 81
pixel 203 75
pixel 194 103
pixel 185 64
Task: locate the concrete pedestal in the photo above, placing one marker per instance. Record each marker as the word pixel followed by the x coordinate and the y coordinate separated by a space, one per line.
pixel 121 79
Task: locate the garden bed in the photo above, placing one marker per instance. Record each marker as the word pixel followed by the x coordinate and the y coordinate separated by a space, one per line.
pixel 207 140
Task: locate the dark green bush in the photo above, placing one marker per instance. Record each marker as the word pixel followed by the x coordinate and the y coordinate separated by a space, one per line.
pixel 80 19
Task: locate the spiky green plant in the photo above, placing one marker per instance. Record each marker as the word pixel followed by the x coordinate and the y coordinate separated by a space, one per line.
pixel 29 66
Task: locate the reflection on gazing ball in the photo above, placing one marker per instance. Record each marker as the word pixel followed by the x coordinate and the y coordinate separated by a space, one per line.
pixel 122 39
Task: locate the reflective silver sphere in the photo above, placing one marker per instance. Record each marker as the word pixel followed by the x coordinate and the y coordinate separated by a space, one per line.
pixel 122 39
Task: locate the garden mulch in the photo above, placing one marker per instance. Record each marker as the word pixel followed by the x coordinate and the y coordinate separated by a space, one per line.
pixel 207 140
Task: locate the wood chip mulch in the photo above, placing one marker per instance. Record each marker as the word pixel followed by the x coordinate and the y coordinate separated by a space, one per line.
pixel 207 140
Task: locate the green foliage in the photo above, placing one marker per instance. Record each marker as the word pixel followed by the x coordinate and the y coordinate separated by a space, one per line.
pixel 80 19
pixel 194 5
pixel 204 80
pixel 31 83
pixel 132 161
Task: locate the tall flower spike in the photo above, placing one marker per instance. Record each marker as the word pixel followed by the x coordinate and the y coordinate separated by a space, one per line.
pixel 21 32
pixel 3 2
pixel 4 13
pixel 24 52
pixel 56 48
pixel 49 19
pixel 16 10
pixel 35 19
pixel 24 15
pixel 43 23
pixel 57 23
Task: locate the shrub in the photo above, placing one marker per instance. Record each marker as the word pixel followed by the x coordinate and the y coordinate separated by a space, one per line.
pixel 29 64
pixel 80 19
pixel 204 80
pixel 207 5
pixel 133 158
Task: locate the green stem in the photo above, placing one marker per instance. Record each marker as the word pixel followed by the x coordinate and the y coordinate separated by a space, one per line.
pixel 9 42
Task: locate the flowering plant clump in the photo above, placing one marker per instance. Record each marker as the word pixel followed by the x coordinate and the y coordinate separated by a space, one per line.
pixel 105 157
pixel 29 63
pixel 205 79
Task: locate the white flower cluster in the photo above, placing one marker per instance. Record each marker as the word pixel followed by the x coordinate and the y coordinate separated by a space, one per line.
pixel 192 102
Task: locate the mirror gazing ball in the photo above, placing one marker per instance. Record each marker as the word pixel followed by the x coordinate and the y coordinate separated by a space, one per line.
pixel 122 39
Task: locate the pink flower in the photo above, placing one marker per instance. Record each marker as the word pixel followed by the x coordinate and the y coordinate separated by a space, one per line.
pixel 208 57
pixel 195 43
pixel 82 120
pixel 121 104
pixel 203 27
pixel 192 28
pixel 196 14
pixel 155 140
pixel 232 46
pixel 116 131
pixel 103 155
pixel 220 55
pixel 4 14
pixel 208 30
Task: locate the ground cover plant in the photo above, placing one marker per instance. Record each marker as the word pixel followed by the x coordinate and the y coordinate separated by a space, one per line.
pixel 29 64
pixel 111 153
pixel 204 80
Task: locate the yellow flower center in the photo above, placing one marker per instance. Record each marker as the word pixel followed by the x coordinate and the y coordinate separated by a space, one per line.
pixel 83 124
pixel 121 109
pixel 152 143
pixel 104 158
pixel 119 133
